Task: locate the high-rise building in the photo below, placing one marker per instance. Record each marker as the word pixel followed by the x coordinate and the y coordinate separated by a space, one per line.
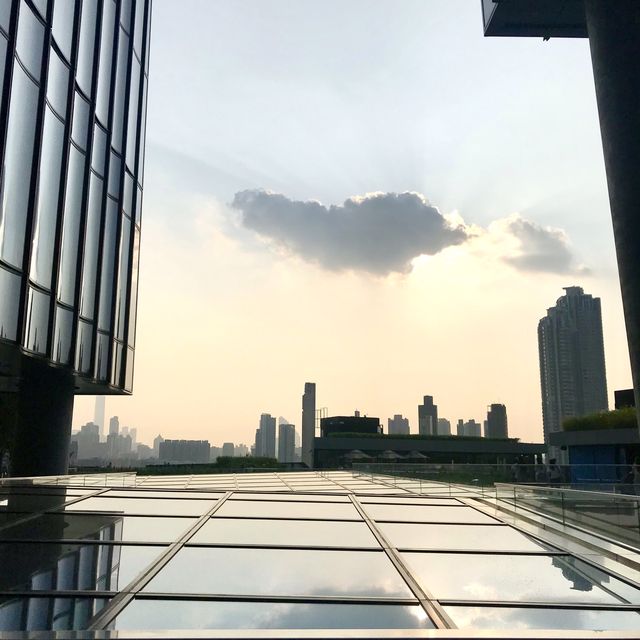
pixel 156 445
pixel 266 437
pixel 114 425
pixel 98 414
pixel 72 128
pixel 427 417
pixel 398 425
pixel 572 370
pixel 185 451
pixel 228 449
pixel 444 427
pixel 469 429
pixel 286 442
pixel 495 426
pixel 308 422
pixel 241 451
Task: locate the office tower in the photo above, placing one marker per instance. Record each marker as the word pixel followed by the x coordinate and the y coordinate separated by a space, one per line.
pixel 228 449
pixel 257 447
pixel 98 413
pixel 495 426
pixel 286 442
pixel 72 123
pixel 114 426
pixel 241 451
pixel 185 451
pixel 469 429
pixel 427 417
pixel 133 433
pixel 572 370
pixel 266 437
pixel 156 445
pixel 308 422
pixel 398 425
pixel 444 427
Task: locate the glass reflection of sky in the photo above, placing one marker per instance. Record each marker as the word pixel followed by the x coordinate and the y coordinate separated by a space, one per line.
pixel 463 515
pixel 289 572
pixel 515 579
pixel 457 537
pixel 525 618
pixel 285 532
pixel 189 614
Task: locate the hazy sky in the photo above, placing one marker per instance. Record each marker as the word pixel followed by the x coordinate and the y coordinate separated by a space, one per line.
pixel 367 194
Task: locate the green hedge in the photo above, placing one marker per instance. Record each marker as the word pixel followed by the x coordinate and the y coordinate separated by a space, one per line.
pixel 618 419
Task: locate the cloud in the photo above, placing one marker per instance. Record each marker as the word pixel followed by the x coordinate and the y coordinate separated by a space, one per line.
pixel 538 248
pixel 379 233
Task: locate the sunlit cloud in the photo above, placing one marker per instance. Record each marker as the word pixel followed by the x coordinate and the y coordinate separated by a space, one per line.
pixel 379 233
pixel 383 233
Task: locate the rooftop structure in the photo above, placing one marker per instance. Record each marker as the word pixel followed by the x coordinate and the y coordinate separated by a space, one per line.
pixel 309 554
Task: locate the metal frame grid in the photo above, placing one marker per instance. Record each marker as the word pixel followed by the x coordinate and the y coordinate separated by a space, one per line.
pixel 339 499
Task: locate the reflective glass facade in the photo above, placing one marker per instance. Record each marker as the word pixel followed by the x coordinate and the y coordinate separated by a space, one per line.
pixel 72 129
pixel 298 555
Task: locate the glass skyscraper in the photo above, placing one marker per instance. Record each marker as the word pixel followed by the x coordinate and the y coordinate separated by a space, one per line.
pixel 72 128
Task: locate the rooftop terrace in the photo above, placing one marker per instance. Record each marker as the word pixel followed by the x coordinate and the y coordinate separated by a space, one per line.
pixel 306 554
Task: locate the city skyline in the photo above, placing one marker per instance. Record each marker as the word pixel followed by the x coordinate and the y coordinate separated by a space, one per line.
pixel 439 111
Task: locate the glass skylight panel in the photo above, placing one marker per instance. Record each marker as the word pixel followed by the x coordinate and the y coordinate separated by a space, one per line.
pixel 295 497
pixel 193 614
pixel 177 495
pixel 287 572
pixel 144 506
pixel 516 578
pixel 285 532
pixel 263 509
pixel 543 618
pixel 458 537
pixel 462 515
pixel 70 567
pixel 413 501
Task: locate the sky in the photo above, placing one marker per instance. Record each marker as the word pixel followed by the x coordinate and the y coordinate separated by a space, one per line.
pixel 366 194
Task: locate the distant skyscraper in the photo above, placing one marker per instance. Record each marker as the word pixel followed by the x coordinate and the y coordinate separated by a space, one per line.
pixel 308 422
pixel 114 426
pixel 444 427
pixel 572 370
pixel 241 451
pixel 286 442
pixel 266 436
pixel 495 426
pixel 98 414
pixel 469 429
pixel 228 449
pixel 156 445
pixel 398 425
pixel 427 417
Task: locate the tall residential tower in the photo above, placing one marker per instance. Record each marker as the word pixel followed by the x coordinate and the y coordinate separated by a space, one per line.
pixel 572 370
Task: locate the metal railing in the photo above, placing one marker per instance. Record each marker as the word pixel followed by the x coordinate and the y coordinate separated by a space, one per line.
pixel 615 515
pixel 602 477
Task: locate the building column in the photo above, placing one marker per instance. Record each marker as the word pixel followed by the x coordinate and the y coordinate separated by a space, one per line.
pixel 614 37
pixel 43 425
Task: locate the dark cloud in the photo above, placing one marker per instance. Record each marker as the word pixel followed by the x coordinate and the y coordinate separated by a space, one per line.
pixel 378 233
pixel 542 249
